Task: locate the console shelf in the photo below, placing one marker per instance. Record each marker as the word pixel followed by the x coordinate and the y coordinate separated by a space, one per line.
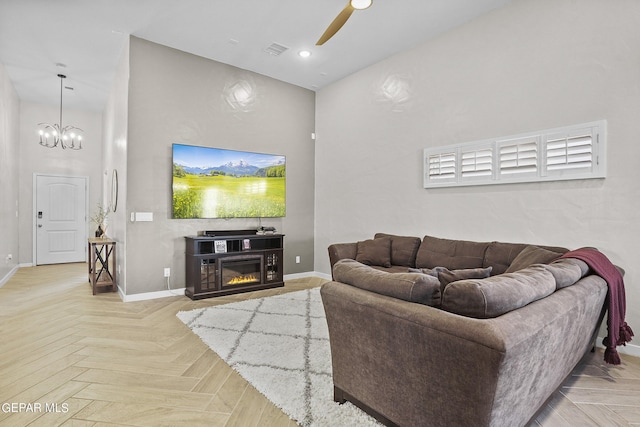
pixel 228 263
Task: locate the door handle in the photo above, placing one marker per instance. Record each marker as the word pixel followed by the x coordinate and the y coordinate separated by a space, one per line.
pixel 39 225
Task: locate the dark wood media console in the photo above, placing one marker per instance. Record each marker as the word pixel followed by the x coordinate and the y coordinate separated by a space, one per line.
pixel 228 263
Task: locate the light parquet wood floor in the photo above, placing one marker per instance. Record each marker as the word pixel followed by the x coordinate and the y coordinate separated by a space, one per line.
pixel 84 360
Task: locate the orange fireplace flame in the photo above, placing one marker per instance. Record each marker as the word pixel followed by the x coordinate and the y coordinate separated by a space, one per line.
pixel 249 278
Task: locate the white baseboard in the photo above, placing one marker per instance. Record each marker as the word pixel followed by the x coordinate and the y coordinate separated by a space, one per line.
pixel 6 278
pixel 151 295
pixel 180 291
pixel 307 274
pixel 629 349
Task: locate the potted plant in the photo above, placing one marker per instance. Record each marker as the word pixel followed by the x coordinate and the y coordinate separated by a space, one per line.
pixel 100 218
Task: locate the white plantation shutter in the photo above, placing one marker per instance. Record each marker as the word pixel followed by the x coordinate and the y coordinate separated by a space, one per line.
pixel 476 164
pixel 518 156
pixel 569 151
pixel 441 167
pixel 572 152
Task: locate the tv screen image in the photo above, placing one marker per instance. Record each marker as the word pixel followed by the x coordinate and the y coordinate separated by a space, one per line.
pixel 220 183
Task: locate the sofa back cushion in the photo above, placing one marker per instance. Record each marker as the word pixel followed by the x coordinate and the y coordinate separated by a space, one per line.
pixel 374 252
pixel 500 255
pixel 532 255
pixel 453 254
pixel 412 287
pixel 496 295
pixel 403 249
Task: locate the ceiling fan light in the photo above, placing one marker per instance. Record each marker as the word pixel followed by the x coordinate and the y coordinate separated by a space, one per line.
pixel 361 4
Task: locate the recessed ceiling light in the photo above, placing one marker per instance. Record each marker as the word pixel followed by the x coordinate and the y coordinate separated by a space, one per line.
pixel 304 54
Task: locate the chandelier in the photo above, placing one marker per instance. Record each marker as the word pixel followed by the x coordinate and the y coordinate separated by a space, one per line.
pixel 53 135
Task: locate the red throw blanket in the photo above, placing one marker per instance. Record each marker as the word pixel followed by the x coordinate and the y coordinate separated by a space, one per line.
pixel 619 333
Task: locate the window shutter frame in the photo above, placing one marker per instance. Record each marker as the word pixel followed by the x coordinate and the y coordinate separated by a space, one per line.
pixel 566 153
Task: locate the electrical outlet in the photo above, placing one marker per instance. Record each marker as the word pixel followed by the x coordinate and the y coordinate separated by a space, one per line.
pixel 167 272
pixel 298 259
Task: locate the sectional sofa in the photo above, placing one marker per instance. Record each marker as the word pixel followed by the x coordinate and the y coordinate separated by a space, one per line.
pixel 440 332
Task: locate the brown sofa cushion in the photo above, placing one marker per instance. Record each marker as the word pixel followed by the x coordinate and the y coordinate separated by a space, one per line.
pixel 403 249
pixel 453 254
pixel 532 255
pixel 567 271
pixel 446 276
pixel 375 252
pixel 412 287
pixel 496 295
pixel 500 255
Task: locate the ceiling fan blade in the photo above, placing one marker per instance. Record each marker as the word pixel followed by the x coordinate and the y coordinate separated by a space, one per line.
pixel 336 24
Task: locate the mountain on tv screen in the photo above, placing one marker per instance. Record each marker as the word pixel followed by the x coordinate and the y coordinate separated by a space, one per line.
pixel 218 183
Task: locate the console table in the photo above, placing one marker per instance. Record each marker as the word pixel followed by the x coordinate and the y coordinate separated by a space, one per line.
pixel 102 263
pixel 229 263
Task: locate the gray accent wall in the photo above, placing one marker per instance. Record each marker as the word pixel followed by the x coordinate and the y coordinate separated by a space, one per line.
pixel 531 65
pixel 176 97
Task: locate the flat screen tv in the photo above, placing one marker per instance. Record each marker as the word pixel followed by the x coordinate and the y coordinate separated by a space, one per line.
pixel 218 183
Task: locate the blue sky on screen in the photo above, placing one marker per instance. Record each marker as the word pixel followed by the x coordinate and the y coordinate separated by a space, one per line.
pixel 204 157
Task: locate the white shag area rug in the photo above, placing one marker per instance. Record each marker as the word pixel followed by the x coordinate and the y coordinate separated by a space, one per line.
pixel 280 345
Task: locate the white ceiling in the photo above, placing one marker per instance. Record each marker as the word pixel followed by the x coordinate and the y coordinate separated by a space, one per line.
pixel 88 36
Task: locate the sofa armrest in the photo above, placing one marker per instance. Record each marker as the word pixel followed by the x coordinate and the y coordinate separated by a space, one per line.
pixel 338 251
pixel 408 361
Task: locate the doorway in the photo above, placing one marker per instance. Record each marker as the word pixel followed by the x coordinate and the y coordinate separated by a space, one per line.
pixel 60 219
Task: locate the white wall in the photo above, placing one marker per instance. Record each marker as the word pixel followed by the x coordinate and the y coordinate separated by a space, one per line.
pixel 9 131
pixel 532 65
pixel 115 122
pixel 35 158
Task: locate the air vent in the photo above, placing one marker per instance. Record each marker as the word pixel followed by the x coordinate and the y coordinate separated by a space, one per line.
pixel 275 49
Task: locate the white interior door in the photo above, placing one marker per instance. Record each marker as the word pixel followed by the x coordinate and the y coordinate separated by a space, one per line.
pixel 60 219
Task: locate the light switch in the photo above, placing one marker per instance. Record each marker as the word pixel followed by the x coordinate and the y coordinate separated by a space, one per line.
pixel 144 216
